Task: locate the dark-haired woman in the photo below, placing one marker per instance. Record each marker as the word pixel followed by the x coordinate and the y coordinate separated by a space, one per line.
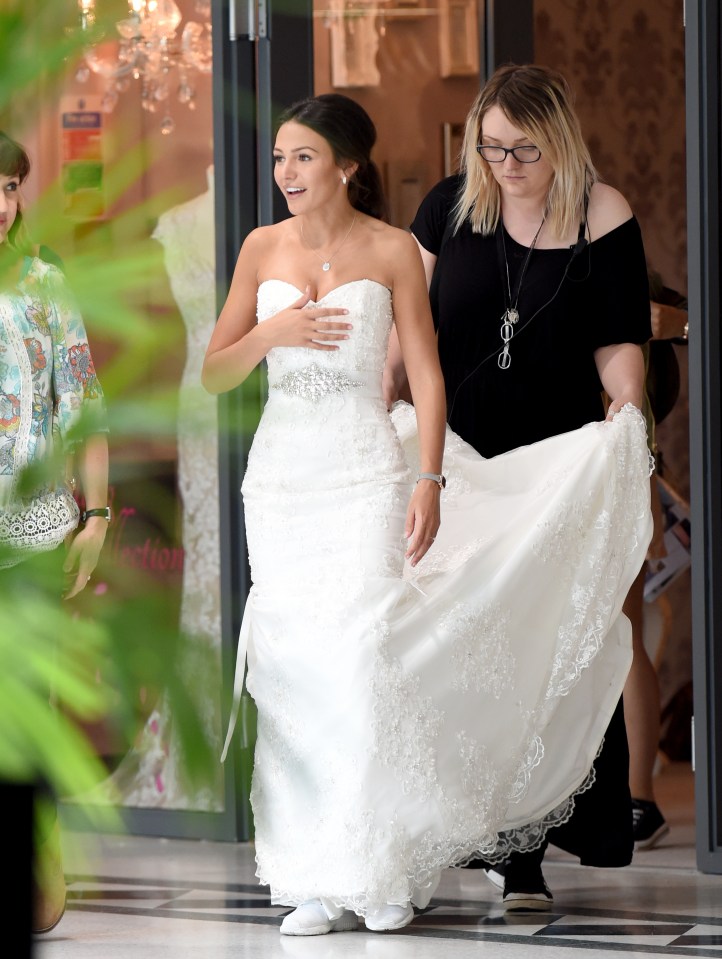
pixel 47 382
pixel 400 716
pixel 538 287
pixel 48 385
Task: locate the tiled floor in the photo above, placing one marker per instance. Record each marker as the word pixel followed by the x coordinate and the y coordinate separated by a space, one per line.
pixel 133 898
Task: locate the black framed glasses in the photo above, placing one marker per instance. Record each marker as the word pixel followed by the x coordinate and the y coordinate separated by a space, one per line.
pixel 495 154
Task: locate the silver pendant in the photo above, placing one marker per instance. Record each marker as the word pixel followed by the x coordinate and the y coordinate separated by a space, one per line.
pixel 512 315
pixel 504 359
pixel 326 267
pixel 507 331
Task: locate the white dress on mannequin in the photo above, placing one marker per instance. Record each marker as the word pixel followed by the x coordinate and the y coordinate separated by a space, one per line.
pixel 408 720
pixel 149 775
pixel 187 233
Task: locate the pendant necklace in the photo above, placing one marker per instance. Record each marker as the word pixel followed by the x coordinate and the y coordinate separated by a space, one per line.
pixel 511 313
pixel 326 261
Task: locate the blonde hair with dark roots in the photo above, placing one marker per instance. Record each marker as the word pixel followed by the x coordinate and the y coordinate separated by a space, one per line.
pixel 538 101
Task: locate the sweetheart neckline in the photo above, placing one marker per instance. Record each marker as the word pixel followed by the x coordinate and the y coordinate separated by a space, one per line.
pixel 329 292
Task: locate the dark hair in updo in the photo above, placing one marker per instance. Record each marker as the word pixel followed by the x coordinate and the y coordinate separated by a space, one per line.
pixel 14 161
pixel 351 134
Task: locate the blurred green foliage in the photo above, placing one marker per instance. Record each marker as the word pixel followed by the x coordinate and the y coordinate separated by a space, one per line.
pixel 94 658
pixel 40 656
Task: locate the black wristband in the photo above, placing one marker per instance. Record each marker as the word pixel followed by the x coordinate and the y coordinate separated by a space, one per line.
pixel 103 511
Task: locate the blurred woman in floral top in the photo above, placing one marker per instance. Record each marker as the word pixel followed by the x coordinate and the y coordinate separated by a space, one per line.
pixel 47 376
pixel 50 402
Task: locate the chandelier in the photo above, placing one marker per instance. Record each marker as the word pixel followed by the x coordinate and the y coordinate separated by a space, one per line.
pixel 150 51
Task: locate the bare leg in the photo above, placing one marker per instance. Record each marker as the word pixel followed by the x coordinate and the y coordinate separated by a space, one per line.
pixel 641 702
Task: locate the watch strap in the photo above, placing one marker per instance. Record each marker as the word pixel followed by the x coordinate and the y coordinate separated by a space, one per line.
pixel 437 478
pixel 103 511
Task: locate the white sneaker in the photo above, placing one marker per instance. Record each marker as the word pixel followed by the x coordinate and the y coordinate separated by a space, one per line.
pixel 389 917
pixel 311 919
pixel 495 875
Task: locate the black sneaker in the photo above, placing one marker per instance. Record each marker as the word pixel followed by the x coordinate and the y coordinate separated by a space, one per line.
pixel 527 892
pixel 649 825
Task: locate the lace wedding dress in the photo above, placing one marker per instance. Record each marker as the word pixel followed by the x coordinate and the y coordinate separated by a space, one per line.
pixel 408 720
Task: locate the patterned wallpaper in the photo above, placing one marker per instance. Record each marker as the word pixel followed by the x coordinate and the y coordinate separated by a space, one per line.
pixel 625 61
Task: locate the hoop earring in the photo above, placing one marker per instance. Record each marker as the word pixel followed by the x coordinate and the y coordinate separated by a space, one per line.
pixel 344 180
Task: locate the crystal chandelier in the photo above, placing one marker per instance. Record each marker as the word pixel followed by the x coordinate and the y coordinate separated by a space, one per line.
pixel 150 51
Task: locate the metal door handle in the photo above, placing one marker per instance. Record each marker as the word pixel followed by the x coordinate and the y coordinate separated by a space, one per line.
pixel 247 19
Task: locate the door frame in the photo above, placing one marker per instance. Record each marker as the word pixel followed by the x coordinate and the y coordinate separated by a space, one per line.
pixel 704 191
pixel 263 68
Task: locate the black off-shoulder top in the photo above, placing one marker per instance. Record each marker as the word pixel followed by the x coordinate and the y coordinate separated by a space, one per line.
pixel 569 306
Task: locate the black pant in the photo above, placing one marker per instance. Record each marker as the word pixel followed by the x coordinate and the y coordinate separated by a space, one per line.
pixel 599 832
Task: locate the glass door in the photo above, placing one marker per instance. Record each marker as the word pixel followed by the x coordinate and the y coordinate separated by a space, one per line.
pixel 262 63
pixel 122 143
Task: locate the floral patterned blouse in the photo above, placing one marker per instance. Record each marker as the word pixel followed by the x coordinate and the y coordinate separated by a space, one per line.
pixel 47 376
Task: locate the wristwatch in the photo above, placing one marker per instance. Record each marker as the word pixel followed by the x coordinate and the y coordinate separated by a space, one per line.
pixel 438 478
pixel 103 511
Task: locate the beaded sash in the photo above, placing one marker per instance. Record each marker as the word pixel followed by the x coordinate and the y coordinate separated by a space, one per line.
pixel 314 382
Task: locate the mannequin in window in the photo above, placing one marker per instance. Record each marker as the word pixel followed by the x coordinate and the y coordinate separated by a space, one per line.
pixel 149 775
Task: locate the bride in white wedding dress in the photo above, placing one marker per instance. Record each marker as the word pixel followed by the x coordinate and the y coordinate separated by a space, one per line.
pixel 419 702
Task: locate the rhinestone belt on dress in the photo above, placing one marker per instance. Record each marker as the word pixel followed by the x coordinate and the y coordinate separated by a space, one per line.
pixel 313 382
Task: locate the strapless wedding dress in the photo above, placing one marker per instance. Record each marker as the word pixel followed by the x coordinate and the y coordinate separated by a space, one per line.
pixel 411 719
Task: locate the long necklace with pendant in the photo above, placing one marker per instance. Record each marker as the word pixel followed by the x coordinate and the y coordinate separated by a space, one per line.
pixel 326 260
pixel 511 314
